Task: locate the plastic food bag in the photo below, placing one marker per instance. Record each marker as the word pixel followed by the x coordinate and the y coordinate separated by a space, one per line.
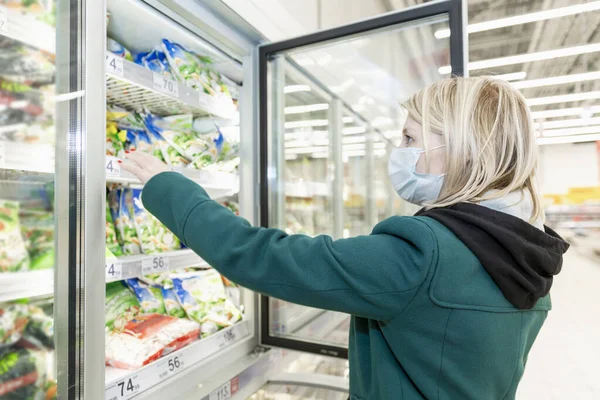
pixel 172 305
pixel 155 61
pixel 163 149
pixel 115 140
pixel 146 338
pixel 121 207
pixel 121 305
pixel 150 298
pixel 153 235
pixel 37 228
pixel 111 234
pixel 118 49
pixel 39 332
pixel 202 296
pixel 13 254
pixel 22 374
pixel 13 320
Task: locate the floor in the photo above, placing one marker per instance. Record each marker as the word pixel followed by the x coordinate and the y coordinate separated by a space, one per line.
pixel 564 362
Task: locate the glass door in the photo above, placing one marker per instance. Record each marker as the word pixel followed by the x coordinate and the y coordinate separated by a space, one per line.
pixel 329 112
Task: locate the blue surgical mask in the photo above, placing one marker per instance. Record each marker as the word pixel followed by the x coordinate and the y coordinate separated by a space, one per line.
pixel 411 186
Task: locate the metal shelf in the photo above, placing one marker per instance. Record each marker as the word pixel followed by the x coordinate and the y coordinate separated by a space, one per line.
pixel 136 88
pixel 195 355
pixel 28 284
pixel 134 266
pixel 27 30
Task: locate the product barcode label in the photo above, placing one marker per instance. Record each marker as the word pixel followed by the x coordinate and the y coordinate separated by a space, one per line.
pixel 155 264
pixel 166 85
pixel 124 389
pixel 3 20
pixel 114 270
pixel 114 64
pixel 113 168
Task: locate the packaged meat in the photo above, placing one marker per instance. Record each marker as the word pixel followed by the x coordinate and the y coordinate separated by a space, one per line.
pixel 149 297
pixel 13 253
pixel 202 296
pixel 121 305
pixel 146 338
pixel 154 236
pixel 22 373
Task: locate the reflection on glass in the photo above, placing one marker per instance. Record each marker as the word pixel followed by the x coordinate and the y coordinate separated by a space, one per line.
pixel 355 178
pixel 27 137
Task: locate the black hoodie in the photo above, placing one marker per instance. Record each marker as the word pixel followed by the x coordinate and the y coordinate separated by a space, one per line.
pixel 521 259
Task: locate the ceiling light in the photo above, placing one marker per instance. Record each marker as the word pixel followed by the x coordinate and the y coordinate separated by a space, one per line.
pixel 305 135
pixel 572 131
pixel 291 157
pixel 525 18
pixel 306 123
pixel 321 154
pixel 354 139
pixel 515 76
pixel 564 98
pixel 382 121
pixel 568 139
pixel 565 112
pixel 528 57
pixel 557 80
pixel 567 123
pixel 303 150
pixel 296 88
pixel 347 120
pixel 307 108
pixel 354 153
pixel 354 130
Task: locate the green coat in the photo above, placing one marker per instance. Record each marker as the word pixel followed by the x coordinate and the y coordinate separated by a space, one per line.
pixel 428 321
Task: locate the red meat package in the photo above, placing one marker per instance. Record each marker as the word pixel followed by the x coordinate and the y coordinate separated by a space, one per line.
pixel 146 338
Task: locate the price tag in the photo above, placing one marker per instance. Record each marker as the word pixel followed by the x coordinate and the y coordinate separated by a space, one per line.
pixel 114 270
pixel 156 264
pixel 113 168
pixel 124 389
pixel 226 338
pixel 2 156
pixel 166 85
pixel 170 366
pixel 222 393
pixel 114 64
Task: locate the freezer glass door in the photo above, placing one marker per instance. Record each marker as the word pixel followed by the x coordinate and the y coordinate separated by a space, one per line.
pixel 329 113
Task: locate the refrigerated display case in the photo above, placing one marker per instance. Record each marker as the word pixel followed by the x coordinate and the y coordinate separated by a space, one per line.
pixel 297 147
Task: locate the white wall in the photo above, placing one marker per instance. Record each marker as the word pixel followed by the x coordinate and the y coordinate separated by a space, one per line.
pixel 568 165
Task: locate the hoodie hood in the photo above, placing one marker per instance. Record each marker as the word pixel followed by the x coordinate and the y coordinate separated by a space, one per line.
pixel 520 258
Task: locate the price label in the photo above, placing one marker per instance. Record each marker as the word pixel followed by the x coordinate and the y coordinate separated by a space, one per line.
pixel 114 270
pixel 171 366
pixel 155 264
pixel 166 85
pixel 226 338
pixel 222 393
pixel 124 389
pixel 113 168
pixel 114 64
pixel 3 20
pixel 2 156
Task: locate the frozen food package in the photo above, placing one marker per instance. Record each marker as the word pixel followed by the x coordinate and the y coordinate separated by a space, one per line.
pixel 37 229
pixel 121 305
pixel 22 373
pixel 187 67
pixel 26 65
pixel 202 296
pixel 164 149
pixel 112 244
pixel 172 305
pixel 121 207
pixel 115 140
pixel 233 292
pixel 153 235
pixel 149 297
pixel 13 320
pixel 39 332
pixel 155 61
pixel 146 338
pixel 118 49
pixel 13 253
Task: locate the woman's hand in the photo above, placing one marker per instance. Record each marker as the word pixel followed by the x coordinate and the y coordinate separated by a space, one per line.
pixel 143 165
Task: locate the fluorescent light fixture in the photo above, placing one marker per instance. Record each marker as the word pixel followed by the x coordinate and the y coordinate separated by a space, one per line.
pixel 350 147
pixel 296 88
pixel 347 120
pixel 307 108
pixel 557 80
pixel 525 18
pixel 515 76
pixel 568 139
pixel 303 150
pixel 305 135
pixel 564 98
pixel 354 130
pixel 291 157
pixel 528 57
pixel 381 121
pixel 354 153
pixel 321 154
pixel 306 123
pixel 565 112
pixel 354 139
pixel 567 123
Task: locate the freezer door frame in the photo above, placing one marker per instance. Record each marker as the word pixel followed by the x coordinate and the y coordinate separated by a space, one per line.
pixel 456 11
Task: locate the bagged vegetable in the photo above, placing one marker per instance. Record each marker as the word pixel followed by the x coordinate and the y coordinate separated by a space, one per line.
pixel 22 374
pixel 121 305
pixel 168 153
pixel 172 305
pixel 13 254
pixel 37 228
pixel 118 49
pixel 146 338
pixel 149 297
pixel 155 61
pixel 39 332
pixel 154 236
pixel 202 296
pixel 111 234
pixel 13 320
pixel 121 207
pixel 115 140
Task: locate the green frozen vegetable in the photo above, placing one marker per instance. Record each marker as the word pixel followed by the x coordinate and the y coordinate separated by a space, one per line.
pixel 13 254
pixel 121 207
pixel 153 235
pixel 121 305
pixel 111 234
pixel 37 228
pixel 149 297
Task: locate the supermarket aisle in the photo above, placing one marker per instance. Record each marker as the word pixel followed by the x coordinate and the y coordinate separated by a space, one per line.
pixel 563 363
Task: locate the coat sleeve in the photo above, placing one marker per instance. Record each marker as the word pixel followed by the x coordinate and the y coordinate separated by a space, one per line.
pixel 372 276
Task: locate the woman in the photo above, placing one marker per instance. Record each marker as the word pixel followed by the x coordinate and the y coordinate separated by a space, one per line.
pixel 445 304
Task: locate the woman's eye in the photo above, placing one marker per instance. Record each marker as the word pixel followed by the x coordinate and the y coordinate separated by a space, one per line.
pixel 407 140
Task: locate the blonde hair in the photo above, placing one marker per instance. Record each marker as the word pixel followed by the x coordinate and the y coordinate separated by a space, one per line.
pixel 489 135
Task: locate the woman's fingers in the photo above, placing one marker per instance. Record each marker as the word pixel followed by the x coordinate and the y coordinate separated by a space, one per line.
pixel 144 166
pixel 132 168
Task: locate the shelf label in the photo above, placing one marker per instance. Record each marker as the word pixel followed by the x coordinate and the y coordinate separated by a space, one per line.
pixel 3 20
pixel 114 270
pixel 171 366
pixel 2 156
pixel 113 168
pixel 114 64
pixel 124 389
pixel 226 338
pixel 166 85
pixel 154 265
pixel 222 393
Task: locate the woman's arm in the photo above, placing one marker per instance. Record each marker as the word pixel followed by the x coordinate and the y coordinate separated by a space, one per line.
pixel 371 276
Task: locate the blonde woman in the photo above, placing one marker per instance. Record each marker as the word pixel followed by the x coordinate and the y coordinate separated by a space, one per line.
pixel 445 304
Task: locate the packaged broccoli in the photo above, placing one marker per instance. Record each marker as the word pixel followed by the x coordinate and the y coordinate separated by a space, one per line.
pixel 187 67
pixel 149 297
pixel 111 234
pixel 115 140
pixel 118 49
pixel 154 236
pixel 37 228
pixel 202 296
pixel 172 305
pixel 121 305
pixel 163 149
pixel 22 373
pixel 155 61
pixel 13 253
pixel 121 207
